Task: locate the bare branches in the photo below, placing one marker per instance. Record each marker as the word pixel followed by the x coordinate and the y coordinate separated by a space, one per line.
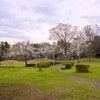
pixel 90 32
pixel 63 33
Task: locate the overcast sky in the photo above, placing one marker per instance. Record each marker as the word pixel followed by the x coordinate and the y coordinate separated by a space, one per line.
pixel 32 19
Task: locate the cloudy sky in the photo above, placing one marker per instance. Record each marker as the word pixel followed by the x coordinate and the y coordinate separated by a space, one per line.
pixel 31 19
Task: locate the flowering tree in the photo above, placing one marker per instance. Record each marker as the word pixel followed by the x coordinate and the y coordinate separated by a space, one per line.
pixel 22 49
pixel 78 44
pixel 84 40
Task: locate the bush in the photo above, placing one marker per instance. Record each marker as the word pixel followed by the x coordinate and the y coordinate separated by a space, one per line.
pixel 67 64
pixel 72 63
pixel 7 66
pixel 43 64
pixel 30 65
pixel 63 67
pixel 55 62
pixel 82 68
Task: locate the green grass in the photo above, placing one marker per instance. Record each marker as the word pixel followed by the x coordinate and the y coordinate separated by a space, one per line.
pixel 12 63
pixel 94 71
pixel 88 60
pixel 48 84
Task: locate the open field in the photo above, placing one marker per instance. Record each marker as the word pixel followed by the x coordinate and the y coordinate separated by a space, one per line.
pixel 27 83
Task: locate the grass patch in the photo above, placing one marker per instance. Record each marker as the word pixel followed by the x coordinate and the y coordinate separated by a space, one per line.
pixel 23 83
pixel 88 60
pixel 94 71
pixel 12 63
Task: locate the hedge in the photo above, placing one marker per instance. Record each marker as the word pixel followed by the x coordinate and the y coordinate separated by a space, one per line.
pixel 82 68
pixel 72 63
pixel 67 64
pixel 7 66
pixel 30 65
pixel 43 64
pixel 55 63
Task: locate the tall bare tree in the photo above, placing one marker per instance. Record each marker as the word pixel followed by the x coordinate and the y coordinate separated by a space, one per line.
pixel 63 33
pixel 90 31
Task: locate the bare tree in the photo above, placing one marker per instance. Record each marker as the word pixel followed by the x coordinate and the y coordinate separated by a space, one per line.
pixel 63 33
pixel 90 31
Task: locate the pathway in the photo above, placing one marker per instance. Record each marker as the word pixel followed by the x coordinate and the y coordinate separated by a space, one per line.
pixel 74 78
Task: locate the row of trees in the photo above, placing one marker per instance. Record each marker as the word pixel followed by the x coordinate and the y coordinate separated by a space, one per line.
pixel 25 51
pixel 71 43
pixel 75 42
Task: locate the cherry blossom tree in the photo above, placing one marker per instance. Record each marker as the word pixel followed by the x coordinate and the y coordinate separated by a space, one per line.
pixel 22 49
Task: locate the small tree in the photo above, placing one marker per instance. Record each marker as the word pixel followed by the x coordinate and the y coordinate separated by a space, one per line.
pixel 4 50
pixel 23 49
pixel 79 43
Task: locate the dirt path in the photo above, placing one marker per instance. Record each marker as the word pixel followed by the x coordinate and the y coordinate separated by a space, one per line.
pixel 23 92
pixel 78 79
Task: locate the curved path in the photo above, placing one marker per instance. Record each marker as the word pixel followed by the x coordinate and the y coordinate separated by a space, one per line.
pixel 74 78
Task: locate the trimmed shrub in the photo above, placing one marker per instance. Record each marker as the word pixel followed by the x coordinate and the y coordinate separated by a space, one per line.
pixel 55 62
pixel 43 64
pixel 82 68
pixel 7 66
pixel 67 64
pixel 72 63
pixel 63 67
pixel 30 65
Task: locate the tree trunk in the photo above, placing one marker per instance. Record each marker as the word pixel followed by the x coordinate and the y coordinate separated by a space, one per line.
pixel 78 59
pixel 65 55
pixel 25 59
pixel 65 51
pixel 25 62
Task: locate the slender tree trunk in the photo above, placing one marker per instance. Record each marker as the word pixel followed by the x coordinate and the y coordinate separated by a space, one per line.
pixel 78 59
pixel 65 51
pixel 25 59
pixel 25 62
pixel 65 56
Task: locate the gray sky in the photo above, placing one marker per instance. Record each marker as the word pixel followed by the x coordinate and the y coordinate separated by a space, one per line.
pixel 31 19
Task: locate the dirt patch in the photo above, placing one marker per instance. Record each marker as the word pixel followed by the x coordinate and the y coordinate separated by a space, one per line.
pixel 38 60
pixel 23 92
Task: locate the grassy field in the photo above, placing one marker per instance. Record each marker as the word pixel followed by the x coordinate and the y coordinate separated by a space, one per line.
pixel 94 71
pixel 27 83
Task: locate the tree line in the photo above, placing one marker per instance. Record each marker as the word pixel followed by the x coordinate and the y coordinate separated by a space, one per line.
pixel 71 43
pixel 74 42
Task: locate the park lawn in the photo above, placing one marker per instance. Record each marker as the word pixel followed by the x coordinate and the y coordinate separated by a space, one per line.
pixel 23 83
pixel 88 60
pixel 12 63
pixel 94 71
